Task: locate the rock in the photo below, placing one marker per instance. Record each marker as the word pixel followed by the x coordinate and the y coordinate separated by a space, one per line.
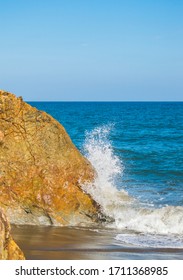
pixel 8 248
pixel 41 171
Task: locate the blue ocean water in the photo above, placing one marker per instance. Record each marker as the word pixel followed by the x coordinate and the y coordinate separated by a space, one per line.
pixel 146 137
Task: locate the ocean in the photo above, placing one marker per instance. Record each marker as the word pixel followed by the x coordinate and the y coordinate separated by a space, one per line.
pixel 137 151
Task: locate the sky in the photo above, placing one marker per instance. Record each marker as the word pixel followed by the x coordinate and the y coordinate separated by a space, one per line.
pixel 92 50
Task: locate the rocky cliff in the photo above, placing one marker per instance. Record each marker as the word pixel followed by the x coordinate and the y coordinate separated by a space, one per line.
pixel 8 248
pixel 41 171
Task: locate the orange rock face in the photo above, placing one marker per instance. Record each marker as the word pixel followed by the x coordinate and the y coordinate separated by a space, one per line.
pixel 41 171
pixel 8 248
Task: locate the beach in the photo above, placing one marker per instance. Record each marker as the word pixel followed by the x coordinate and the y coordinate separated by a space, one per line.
pixel 138 159
pixel 74 243
pixel 116 194
pixel 91 131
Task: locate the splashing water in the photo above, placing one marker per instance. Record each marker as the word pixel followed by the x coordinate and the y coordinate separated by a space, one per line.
pixel 99 152
pixel 127 212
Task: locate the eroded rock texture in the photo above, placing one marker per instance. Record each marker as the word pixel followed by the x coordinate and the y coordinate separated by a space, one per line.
pixel 41 171
pixel 8 248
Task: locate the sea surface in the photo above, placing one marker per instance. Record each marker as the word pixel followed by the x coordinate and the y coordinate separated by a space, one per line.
pixel 137 151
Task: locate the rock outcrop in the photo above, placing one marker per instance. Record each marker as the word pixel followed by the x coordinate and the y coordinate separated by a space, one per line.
pixel 41 171
pixel 8 248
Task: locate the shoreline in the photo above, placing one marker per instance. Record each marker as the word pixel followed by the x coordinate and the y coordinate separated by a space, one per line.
pixel 74 243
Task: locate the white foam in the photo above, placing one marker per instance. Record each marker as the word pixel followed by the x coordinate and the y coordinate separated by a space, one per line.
pixel 99 152
pixel 166 220
pixel 149 240
pixel 125 210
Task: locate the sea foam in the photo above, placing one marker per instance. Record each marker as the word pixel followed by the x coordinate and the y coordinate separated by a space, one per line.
pixel 150 240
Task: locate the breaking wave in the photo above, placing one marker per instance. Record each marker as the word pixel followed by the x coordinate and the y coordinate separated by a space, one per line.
pixel 126 211
pixel 150 240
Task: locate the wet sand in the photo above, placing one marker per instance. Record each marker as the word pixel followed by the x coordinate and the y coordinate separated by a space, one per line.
pixel 71 243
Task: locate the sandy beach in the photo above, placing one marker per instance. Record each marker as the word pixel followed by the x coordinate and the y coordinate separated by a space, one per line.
pixel 67 243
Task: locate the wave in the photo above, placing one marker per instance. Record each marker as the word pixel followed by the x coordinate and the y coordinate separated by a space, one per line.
pixel 126 211
pixel 150 241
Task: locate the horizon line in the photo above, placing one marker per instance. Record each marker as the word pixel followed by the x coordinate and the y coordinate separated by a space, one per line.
pixel 108 101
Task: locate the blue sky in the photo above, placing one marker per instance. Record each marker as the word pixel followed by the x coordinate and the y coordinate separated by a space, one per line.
pixel 92 49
